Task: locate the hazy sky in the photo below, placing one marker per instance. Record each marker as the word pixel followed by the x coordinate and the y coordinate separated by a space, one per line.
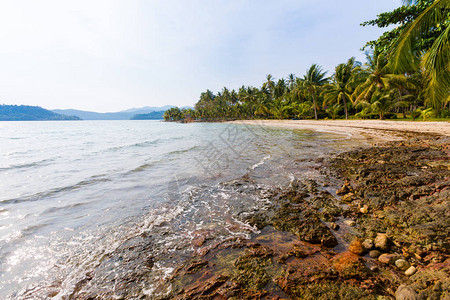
pixel 113 55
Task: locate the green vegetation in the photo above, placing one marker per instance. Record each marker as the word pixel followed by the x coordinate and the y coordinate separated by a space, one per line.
pixel 407 75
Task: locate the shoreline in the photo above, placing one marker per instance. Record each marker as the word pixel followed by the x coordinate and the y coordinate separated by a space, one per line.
pixel 366 130
pixel 380 234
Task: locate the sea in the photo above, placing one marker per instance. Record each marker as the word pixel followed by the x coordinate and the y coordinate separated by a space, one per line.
pixel 90 207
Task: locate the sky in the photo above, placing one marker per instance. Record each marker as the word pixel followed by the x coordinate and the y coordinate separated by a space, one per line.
pixel 115 55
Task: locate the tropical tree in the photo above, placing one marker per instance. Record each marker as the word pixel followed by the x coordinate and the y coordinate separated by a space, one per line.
pixel 435 63
pixel 343 83
pixel 376 73
pixel 314 79
pixel 381 103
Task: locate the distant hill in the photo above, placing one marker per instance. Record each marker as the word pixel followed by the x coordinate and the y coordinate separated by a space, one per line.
pixel 31 113
pixel 121 115
pixel 154 115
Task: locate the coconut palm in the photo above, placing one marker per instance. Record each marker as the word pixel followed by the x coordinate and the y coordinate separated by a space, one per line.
pixel 314 79
pixel 436 61
pixel 381 103
pixel 344 80
pixel 376 73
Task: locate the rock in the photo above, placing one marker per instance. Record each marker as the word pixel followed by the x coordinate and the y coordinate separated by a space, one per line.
pixel 334 226
pixel 387 258
pixel 364 209
pixel 344 189
pixel 382 242
pixel 350 223
pixel 348 197
pixel 374 253
pixel 405 293
pixel 350 265
pixel 368 244
pixel 356 247
pixel 402 264
pixel 410 271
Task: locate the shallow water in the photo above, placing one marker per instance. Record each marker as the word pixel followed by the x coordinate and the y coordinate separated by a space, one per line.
pixel 85 200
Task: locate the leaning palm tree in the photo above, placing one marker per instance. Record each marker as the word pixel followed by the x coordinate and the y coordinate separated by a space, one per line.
pixel 313 79
pixel 436 61
pixel 344 80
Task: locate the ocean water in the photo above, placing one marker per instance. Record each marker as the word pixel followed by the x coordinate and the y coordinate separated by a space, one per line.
pixel 95 201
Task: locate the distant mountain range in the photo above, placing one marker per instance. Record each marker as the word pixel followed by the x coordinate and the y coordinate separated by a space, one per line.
pixel 121 115
pixel 154 115
pixel 31 113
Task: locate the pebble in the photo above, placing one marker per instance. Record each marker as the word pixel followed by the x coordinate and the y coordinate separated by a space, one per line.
pixel 382 242
pixel 350 223
pixel 402 264
pixel 374 253
pixel 334 226
pixel 386 258
pixel 364 209
pixel 368 244
pixel 411 271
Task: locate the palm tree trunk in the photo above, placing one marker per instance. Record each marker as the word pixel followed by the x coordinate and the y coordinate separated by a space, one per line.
pixel 345 107
pixel 314 103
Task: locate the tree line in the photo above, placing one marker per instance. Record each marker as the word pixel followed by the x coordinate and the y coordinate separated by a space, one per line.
pixel 407 74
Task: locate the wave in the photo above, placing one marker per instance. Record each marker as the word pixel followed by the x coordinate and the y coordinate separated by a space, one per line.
pixel 38 196
pixel 29 165
pixel 261 162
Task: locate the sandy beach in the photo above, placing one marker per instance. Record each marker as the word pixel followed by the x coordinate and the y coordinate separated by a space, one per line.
pixel 365 129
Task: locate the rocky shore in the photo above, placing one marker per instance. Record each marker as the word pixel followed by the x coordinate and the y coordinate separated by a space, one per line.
pixel 376 227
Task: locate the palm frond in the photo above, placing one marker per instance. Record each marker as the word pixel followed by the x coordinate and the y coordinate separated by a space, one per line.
pixel 403 57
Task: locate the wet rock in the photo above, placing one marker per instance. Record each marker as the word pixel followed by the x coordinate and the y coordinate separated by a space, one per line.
pixel 356 246
pixel 304 222
pixel 374 253
pixel 387 258
pixel 410 271
pixel 350 265
pixel 405 293
pixel 382 242
pixel 196 266
pixel 402 264
pixel 368 244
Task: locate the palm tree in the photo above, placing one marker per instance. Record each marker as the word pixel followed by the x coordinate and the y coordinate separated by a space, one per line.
pixel 313 79
pixel 436 61
pixel 381 103
pixel 376 77
pixel 344 80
